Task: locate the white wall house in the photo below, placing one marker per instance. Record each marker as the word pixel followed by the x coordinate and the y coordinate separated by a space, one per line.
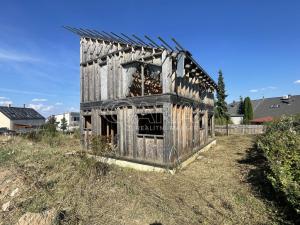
pixel 237 119
pixel 20 118
pixel 72 119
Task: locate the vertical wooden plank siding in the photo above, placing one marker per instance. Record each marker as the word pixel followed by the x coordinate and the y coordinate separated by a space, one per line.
pixel 110 78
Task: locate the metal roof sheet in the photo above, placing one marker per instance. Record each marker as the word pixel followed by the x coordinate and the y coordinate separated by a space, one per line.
pixel 20 113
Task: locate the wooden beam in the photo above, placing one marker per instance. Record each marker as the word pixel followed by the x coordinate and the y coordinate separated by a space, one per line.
pixel 143 79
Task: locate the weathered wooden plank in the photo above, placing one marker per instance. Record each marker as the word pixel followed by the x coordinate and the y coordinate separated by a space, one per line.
pixel 167 115
pixel 166 73
pixel 103 75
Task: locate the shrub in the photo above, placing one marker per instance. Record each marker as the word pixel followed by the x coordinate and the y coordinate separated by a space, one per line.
pixel 91 167
pixel 34 135
pixel 76 133
pixel 222 121
pixel 281 147
pixel 100 145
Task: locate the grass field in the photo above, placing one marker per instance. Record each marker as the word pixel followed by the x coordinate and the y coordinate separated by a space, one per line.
pixel 220 188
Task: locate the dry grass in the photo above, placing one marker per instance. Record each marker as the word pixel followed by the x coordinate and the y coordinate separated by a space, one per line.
pixel 212 190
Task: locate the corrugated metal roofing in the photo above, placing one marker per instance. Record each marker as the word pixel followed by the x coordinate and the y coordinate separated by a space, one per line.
pixel 19 113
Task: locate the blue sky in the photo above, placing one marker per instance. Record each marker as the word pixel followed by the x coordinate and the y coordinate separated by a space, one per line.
pixel 255 43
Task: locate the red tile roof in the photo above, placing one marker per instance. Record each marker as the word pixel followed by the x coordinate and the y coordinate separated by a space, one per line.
pixel 263 119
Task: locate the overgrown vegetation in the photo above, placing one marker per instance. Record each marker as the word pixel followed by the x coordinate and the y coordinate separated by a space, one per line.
pixel 83 191
pixel 47 134
pixel 281 147
pixel 100 145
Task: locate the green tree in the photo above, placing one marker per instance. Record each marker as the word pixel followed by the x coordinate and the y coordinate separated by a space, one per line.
pixel 221 105
pixel 241 106
pixel 51 125
pixel 248 111
pixel 63 124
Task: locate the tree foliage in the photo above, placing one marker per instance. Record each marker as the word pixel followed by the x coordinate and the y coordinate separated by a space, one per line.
pixel 248 110
pixel 241 106
pixel 51 125
pixel 221 105
pixel 63 124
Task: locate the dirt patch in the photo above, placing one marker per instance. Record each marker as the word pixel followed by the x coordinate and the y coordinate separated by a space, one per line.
pixel 45 218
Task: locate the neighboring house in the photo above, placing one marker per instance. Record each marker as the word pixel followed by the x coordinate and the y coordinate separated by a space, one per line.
pixel 72 119
pixel 20 119
pixel 268 109
pixel 237 119
pixel 235 116
pixel 154 104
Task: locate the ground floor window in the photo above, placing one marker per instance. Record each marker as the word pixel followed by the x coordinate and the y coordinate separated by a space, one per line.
pixel 109 127
pixel 150 123
pixel 201 123
pixel 88 122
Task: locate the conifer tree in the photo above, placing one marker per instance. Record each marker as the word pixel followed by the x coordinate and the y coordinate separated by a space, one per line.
pixel 241 106
pixel 248 111
pixel 63 124
pixel 221 105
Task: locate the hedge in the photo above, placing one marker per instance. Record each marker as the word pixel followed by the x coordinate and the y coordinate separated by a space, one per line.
pixel 281 147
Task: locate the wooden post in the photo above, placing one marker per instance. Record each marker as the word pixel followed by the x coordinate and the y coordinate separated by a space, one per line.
pixel 143 79
pixel 227 129
pixel 112 136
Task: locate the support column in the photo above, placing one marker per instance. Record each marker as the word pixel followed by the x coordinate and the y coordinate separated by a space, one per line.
pixel 168 132
pixel 143 79
pixel 166 73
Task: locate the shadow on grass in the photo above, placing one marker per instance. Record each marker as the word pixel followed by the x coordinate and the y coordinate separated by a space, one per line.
pixel 262 188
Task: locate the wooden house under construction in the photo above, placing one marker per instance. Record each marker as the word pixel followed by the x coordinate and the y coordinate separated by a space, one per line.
pixel 153 100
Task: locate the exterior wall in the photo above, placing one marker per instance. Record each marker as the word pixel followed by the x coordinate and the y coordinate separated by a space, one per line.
pixel 182 133
pixel 38 122
pixel 236 120
pixel 5 122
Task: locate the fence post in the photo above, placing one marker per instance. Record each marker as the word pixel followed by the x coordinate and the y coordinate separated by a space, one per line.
pixel 227 129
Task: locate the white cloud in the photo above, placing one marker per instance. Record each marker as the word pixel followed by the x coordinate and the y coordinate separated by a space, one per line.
pixel 297 82
pixel 41 107
pixel 36 106
pixel 16 91
pixel 9 55
pixel 268 88
pixel 3 98
pixel 39 100
pixel 58 103
pixel 6 103
pixel 47 108
pixel 254 90
pixel 73 109
pixel 271 87
pixel 263 89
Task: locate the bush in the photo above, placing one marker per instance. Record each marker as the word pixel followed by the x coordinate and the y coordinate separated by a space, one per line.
pixel 34 135
pixel 100 145
pixel 91 167
pixel 76 133
pixel 281 147
pixel 222 121
pixel 46 134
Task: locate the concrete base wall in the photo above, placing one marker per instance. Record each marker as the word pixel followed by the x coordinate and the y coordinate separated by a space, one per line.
pixel 149 168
